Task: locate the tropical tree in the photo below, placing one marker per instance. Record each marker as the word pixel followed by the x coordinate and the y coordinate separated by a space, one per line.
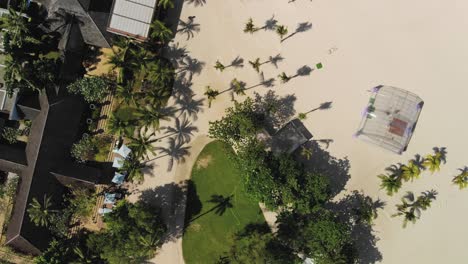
pixel 282 31
pixel 284 78
pixel 141 145
pixel 160 31
pixel 151 117
pixel 41 214
pixel 16 73
pixel 126 94
pixel 411 207
pixel 256 64
pixel 166 3
pixel 238 87
pixel 133 168
pixel 432 162
pixel 461 179
pixel 120 127
pixel 391 183
pixel 175 151
pixel 211 94
pixel 17 28
pixel 183 130
pixel 250 27
pixel 411 171
pixel 302 116
pixel 84 150
pixel 219 66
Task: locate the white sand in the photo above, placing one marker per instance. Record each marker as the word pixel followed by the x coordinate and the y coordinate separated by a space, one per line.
pixel 416 45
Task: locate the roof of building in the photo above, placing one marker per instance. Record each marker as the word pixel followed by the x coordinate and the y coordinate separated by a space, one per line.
pixel 290 137
pixel 90 23
pixel 132 18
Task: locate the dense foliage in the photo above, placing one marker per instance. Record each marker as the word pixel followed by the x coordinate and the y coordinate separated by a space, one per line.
pixel 10 134
pixel 93 89
pixel 133 232
pixel 84 150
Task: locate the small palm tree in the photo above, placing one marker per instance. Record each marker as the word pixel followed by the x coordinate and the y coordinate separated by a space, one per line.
pixel 432 162
pixel 306 152
pixel 411 171
pixel 250 27
pixel 408 216
pixel 256 64
pixel 211 94
pixel 219 66
pixel 160 31
pixel 302 116
pixel 141 145
pixel 41 214
pixel 166 3
pixel 119 127
pixel 284 78
pixel 125 93
pixel 237 87
pixel 281 31
pixel 461 179
pixel 425 199
pixel 134 169
pixel 390 183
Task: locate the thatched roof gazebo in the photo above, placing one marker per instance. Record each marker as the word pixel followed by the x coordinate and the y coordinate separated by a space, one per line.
pixel 390 118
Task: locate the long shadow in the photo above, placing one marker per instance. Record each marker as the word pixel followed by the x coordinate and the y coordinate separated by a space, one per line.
pixel 278 110
pixel 182 88
pixel 174 52
pixel 189 66
pixel 362 234
pixel 172 16
pixel 222 204
pixel 188 105
pixel 173 199
pixel 268 83
pixel 323 106
pixel 322 162
pixel 301 27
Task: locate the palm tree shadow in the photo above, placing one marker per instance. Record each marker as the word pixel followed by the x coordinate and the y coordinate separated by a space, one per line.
pixel 275 59
pixel 175 151
pixel 221 205
pixel 190 66
pixel 322 106
pixel 182 89
pixel 303 71
pixel 301 27
pixel 182 130
pixel 196 3
pixel 238 62
pixel 278 110
pixel 188 28
pixel 174 52
pixel 270 24
pixel 188 105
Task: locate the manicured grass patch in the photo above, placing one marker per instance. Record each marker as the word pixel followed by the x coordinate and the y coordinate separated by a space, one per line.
pixel 103 144
pixel 210 235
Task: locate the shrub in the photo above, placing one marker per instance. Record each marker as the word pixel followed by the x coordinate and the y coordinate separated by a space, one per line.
pixel 84 150
pixel 10 134
pixel 93 89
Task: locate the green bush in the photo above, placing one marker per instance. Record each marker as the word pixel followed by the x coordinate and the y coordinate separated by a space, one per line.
pixel 10 134
pixel 84 150
pixel 93 89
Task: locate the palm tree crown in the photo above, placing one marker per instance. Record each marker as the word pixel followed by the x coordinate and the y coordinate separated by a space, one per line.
pixel 211 94
pixel 160 31
pixel 39 213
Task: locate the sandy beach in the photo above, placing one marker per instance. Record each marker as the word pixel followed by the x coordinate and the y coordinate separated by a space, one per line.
pixel 420 46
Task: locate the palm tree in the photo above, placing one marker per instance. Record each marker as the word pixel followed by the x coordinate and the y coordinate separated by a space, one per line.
pixel 238 87
pixel 141 145
pixel 425 199
pixel 125 93
pixel 408 216
pixel 301 27
pixel 432 162
pixel 281 31
pixel 159 73
pixel 256 64
pixel 219 66
pixel 176 152
pixel 151 117
pixel 166 3
pixel 17 27
pixel 15 72
pixel 302 116
pixel 183 130
pixel 284 78
pixel 160 31
pixel 211 95
pixel 411 171
pixel 461 179
pixel 390 183
pixel 250 27
pixel 134 168
pixel 41 214
pixel 306 152
pixel 119 127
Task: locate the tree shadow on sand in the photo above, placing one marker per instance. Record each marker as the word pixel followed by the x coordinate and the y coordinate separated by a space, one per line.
pixel 322 162
pixel 172 199
pixel 349 209
pixel 278 110
pixel 189 66
pixel 188 28
pixel 301 27
pixel 196 3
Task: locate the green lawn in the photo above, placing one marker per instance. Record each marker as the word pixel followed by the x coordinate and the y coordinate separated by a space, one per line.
pixel 207 237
